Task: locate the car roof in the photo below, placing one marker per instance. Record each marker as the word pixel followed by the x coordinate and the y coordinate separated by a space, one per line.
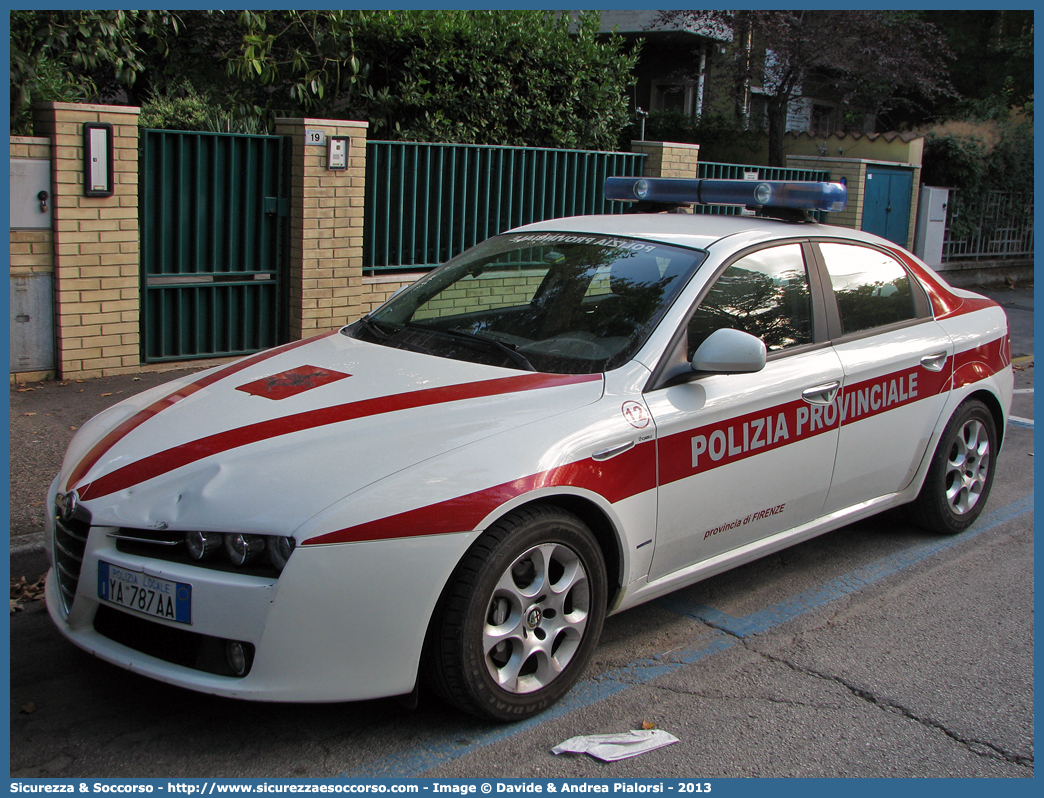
pixel 695 230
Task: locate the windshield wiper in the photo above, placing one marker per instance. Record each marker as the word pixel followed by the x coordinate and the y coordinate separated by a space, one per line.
pixel 371 327
pixel 509 350
pixel 516 357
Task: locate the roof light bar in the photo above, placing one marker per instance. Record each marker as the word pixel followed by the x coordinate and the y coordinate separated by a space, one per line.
pixel 808 196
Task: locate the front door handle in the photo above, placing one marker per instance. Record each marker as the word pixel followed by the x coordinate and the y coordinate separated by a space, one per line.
pixel 934 362
pixel 612 451
pixel 821 394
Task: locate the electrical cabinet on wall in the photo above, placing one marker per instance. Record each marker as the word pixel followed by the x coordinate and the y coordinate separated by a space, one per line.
pixel 30 194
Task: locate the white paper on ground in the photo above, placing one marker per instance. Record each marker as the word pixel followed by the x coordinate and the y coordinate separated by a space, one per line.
pixel 611 747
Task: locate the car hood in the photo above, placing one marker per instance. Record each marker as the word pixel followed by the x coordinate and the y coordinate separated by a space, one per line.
pixel 264 443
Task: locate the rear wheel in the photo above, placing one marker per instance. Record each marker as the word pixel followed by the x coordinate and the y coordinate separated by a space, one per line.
pixel 521 616
pixel 961 474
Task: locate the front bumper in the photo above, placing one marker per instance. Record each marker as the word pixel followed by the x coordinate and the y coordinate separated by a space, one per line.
pixel 342 622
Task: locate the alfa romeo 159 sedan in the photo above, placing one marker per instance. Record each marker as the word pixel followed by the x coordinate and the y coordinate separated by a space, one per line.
pixel 570 419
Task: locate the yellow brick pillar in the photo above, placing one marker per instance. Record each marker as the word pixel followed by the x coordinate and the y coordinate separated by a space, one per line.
pixel 668 159
pixel 326 225
pixel 96 253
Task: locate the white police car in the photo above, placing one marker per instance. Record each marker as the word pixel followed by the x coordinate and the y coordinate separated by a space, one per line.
pixel 570 419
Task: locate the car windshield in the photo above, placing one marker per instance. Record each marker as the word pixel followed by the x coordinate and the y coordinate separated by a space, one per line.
pixel 553 302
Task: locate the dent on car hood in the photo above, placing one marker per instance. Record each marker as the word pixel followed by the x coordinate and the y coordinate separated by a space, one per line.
pixel 263 444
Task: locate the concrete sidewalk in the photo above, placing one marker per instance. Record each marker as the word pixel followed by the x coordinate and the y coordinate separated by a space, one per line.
pixel 46 415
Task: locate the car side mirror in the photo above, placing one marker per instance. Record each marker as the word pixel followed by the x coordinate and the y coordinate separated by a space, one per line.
pixel 728 351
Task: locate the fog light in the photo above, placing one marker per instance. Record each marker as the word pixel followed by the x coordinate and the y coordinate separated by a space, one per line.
pixel 202 545
pixel 279 551
pixel 237 657
pixel 241 548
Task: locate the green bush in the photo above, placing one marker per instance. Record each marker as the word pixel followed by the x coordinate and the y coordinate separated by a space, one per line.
pixel 50 84
pixel 977 157
pixel 531 78
pixel 187 109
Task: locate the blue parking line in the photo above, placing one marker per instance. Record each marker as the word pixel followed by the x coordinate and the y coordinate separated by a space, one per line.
pixel 851 582
pixel 727 630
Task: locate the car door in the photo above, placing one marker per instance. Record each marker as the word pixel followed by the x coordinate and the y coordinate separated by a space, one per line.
pixel 744 456
pixel 897 364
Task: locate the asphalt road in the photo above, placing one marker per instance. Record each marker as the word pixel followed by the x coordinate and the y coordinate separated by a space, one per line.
pixel 876 650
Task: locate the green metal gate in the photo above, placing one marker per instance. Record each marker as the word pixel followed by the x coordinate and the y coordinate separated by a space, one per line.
pixel 427 202
pixel 214 226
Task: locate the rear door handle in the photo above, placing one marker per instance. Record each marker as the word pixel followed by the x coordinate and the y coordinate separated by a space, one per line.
pixel 821 394
pixel 934 362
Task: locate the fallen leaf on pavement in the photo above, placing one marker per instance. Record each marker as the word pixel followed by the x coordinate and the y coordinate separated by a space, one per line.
pixel 22 592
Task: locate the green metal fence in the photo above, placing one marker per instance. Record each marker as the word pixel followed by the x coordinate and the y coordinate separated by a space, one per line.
pixel 213 215
pixel 426 203
pixel 733 171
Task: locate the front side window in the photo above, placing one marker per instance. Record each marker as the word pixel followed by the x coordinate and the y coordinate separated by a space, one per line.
pixel 872 288
pixel 555 302
pixel 765 294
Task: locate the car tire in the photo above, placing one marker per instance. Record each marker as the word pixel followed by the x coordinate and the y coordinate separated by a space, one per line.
pixel 521 615
pixel 961 473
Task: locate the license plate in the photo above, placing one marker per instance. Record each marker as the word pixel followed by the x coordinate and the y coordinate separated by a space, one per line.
pixel 158 598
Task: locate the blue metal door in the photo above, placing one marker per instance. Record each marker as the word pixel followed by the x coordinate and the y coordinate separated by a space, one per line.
pixel 886 202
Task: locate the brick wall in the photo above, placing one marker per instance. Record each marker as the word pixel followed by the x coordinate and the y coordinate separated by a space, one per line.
pixel 95 244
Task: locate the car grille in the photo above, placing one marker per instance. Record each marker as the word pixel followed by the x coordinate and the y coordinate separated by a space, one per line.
pixel 70 541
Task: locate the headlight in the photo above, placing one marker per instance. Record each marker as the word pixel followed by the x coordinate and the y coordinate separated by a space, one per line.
pixel 279 551
pixel 202 545
pixel 241 548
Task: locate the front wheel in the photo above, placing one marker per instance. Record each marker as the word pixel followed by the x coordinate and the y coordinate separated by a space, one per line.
pixel 521 616
pixel 961 474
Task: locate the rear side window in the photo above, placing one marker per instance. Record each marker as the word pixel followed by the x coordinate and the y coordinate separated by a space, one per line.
pixel 872 288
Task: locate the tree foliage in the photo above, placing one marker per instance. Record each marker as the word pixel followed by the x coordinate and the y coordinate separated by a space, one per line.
pixel 717 135
pixel 483 77
pixel 491 77
pixel 992 71
pixel 868 59
pixel 55 53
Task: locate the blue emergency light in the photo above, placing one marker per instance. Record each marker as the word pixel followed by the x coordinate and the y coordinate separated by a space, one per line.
pixel 807 196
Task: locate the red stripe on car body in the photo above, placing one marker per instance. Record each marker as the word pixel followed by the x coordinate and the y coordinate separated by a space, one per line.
pixel 624 476
pixel 162 462
pixel 635 472
pixel 143 415
pixel 983 361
